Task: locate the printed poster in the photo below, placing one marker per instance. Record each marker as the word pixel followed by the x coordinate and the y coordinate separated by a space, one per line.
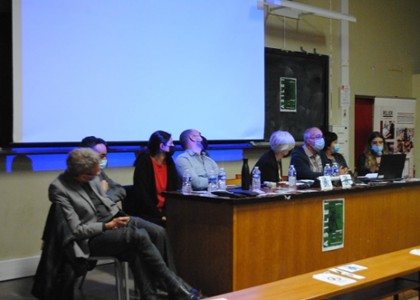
pixel 288 94
pixel 395 118
pixel 333 224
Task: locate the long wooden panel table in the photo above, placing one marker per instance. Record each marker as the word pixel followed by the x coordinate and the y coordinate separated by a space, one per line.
pixel 380 269
pixel 223 245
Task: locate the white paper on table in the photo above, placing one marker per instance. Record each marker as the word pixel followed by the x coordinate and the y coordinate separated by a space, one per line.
pixel 333 279
pixel 352 268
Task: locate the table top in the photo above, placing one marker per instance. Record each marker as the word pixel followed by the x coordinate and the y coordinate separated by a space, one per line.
pixel 287 194
pixel 380 268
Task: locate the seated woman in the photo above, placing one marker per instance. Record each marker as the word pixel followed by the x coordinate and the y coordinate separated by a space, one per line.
pixel 331 150
pixel 370 159
pixel 281 144
pixel 154 173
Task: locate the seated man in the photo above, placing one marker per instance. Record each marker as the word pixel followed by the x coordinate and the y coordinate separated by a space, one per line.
pixel 101 229
pixel 113 190
pixel 192 159
pixel 308 158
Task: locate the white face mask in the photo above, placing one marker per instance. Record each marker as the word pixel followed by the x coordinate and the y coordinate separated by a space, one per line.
pixel 319 144
pixel 103 164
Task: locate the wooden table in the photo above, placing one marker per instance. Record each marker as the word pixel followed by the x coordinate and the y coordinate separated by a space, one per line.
pixel 380 269
pixel 223 245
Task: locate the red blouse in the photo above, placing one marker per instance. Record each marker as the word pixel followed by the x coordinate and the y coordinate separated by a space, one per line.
pixel 161 179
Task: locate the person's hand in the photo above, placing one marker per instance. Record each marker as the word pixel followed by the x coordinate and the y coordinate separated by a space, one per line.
pixel 343 171
pixel 117 223
pixel 105 185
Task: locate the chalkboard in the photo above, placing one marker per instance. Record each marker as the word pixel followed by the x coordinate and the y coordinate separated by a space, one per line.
pixel 307 105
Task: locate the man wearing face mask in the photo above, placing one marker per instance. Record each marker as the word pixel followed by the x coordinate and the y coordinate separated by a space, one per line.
pixel 281 144
pixel 100 228
pixel 154 173
pixel 113 190
pixel 192 159
pixel 308 158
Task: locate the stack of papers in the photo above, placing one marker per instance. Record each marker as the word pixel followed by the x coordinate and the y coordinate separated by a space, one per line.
pixel 342 275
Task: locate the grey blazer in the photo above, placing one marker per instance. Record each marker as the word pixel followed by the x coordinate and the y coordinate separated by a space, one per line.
pixel 78 209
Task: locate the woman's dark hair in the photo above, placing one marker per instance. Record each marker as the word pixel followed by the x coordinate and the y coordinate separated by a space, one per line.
pixel 156 139
pixel 329 137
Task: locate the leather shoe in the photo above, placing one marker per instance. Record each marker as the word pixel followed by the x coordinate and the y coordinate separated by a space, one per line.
pixel 181 293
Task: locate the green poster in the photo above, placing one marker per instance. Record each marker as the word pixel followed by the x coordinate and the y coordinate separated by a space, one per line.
pixel 288 94
pixel 333 224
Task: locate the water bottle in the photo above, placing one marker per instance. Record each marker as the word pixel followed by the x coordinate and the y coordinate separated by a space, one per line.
pixel 335 170
pixel 186 182
pixel 212 186
pixel 327 170
pixel 292 176
pixel 221 179
pixel 256 179
pixel 245 175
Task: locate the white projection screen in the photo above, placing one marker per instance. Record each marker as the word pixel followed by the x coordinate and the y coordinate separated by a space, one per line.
pixel 124 69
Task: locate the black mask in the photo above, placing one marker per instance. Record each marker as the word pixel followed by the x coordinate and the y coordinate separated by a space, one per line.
pixel 171 151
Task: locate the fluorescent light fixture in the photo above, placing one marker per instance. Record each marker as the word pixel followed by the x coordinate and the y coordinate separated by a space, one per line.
pixel 296 10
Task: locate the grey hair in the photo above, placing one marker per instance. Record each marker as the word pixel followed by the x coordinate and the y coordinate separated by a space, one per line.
pixel 282 141
pixel 308 132
pixel 82 160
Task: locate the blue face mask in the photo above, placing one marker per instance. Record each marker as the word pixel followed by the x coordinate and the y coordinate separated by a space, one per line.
pixel 319 144
pixel 377 149
pixel 336 148
pixel 103 164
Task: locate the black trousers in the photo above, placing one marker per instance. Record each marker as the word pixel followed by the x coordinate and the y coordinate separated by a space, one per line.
pixel 147 249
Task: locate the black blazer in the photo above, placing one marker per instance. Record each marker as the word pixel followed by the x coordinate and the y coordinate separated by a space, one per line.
pixel 269 167
pixel 303 166
pixel 145 193
pixel 58 267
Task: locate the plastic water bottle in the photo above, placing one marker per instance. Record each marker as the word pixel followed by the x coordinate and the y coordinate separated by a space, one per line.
pixel 186 182
pixel 212 186
pixel 256 179
pixel 327 170
pixel 335 169
pixel 292 176
pixel 221 179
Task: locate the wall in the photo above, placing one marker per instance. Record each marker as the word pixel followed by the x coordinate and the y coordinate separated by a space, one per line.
pixel 384 55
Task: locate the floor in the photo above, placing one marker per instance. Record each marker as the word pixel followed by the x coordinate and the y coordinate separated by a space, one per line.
pixel 99 285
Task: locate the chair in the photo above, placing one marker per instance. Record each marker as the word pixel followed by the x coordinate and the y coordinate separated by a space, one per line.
pixel 121 275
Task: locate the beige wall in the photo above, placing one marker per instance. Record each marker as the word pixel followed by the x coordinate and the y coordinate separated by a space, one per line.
pixel 25 204
pixel 384 55
pixel 384 48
